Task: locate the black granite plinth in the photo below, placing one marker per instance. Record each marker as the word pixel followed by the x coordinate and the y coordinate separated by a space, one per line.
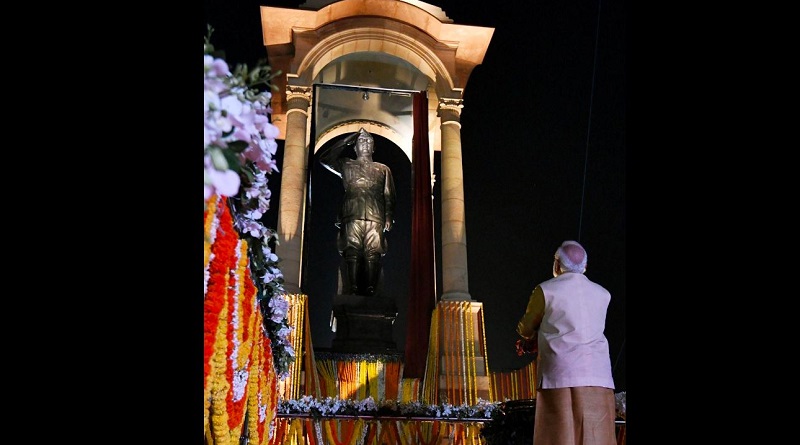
pixel 363 324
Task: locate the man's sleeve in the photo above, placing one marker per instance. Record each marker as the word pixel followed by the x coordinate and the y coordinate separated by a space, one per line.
pixel 530 321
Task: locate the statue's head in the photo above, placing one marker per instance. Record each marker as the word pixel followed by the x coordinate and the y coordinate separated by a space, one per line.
pixel 362 133
pixel 365 140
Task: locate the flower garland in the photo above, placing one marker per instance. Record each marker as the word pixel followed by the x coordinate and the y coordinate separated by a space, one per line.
pixel 394 357
pixel 244 317
pixel 254 433
pixel 211 221
pixel 334 406
pixel 260 401
pixel 212 307
pixel 238 351
pixel 270 405
pixel 220 386
pixel 244 309
pixel 238 149
pixel 215 303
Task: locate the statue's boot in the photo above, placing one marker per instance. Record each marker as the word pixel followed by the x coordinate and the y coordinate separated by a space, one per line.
pixel 352 275
pixel 373 274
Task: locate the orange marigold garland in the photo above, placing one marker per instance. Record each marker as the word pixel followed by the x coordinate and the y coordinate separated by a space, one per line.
pixel 212 306
pixel 223 253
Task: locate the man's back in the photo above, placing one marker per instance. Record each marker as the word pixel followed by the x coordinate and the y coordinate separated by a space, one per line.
pixel 573 349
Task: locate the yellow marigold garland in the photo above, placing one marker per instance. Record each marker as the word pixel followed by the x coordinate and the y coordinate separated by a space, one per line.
pixel 257 384
pixel 249 307
pixel 214 385
pixel 268 397
pixel 220 387
pixel 262 395
pixel 271 391
pixel 239 341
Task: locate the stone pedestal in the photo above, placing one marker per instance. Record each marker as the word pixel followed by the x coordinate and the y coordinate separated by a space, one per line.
pixel 363 323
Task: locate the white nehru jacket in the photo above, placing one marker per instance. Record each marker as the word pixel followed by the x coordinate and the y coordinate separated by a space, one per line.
pixel 573 351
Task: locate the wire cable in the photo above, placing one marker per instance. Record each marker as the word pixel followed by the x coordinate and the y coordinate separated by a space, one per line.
pixel 589 124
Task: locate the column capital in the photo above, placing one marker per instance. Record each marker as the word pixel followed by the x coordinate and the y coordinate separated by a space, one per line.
pixel 450 107
pixel 298 92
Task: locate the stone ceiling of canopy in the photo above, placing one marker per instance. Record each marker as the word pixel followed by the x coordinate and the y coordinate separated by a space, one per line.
pixel 376 47
pixel 431 9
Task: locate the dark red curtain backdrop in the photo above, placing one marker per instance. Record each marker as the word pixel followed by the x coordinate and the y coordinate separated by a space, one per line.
pixel 422 295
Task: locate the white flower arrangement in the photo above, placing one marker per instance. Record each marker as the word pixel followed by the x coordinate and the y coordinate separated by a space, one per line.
pixel 236 129
pixel 333 406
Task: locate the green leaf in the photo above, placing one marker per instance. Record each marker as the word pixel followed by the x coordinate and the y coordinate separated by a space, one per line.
pixel 237 146
pixel 233 160
pixel 249 176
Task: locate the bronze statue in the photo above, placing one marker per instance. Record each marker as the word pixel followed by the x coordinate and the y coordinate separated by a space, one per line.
pixel 366 211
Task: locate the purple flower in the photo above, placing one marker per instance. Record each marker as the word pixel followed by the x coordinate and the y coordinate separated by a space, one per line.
pixel 226 183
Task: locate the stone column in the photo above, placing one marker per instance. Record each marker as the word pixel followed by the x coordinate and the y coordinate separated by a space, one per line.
pixel 293 187
pixel 455 284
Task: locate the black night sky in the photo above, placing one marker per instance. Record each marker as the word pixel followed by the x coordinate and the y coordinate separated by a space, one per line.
pixel 544 151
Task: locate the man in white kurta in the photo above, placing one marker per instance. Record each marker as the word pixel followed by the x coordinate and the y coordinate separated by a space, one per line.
pixel 574 385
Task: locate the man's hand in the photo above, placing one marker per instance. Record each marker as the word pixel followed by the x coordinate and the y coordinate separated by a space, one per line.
pixel 525 346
